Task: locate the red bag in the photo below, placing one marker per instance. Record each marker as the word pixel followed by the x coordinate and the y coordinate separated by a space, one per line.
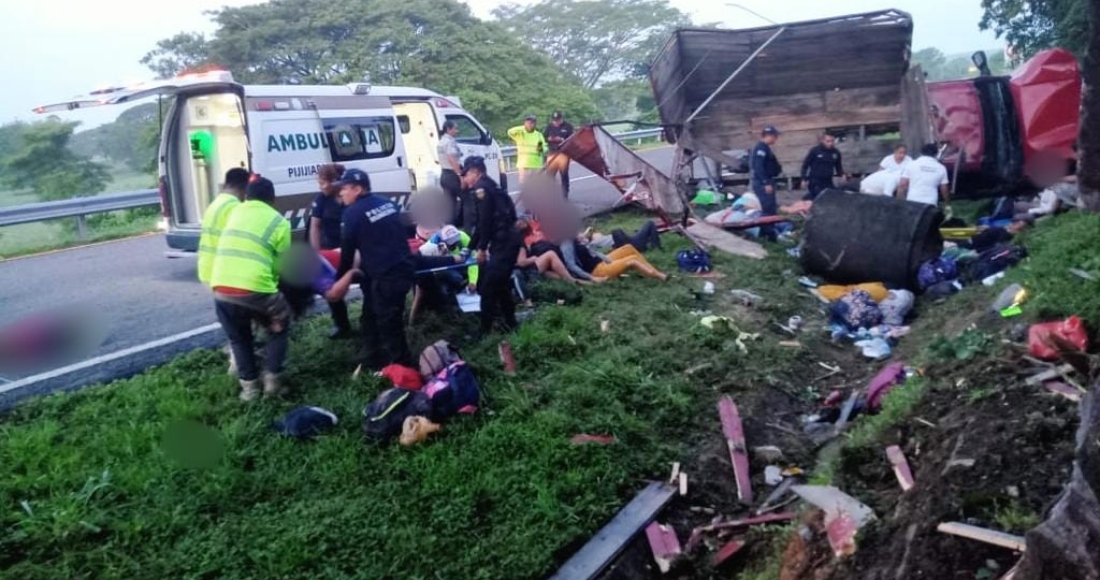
pixel 1045 341
pixel 403 377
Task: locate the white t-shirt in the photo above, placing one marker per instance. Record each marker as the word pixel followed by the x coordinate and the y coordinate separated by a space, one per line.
pixel 925 176
pixel 890 164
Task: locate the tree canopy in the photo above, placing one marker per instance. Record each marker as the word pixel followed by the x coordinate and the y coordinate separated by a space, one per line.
pixel 1033 25
pixel 121 141
pixel 436 44
pixel 594 42
pixel 42 161
pixel 941 67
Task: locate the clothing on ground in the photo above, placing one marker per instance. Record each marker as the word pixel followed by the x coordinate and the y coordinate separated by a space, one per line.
pixel 833 292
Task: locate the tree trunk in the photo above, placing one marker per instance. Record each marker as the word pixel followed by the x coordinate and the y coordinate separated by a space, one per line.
pixel 1088 171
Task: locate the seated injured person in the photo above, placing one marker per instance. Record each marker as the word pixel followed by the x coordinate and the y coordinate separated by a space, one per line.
pixel 537 255
pixel 745 207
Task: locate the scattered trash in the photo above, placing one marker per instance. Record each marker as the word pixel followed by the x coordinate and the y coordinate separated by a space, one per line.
pixel 901 467
pixel 889 377
pixel 683 483
pixel 305 422
pixel 794 322
pixel 776 495
pixel 1015 543
pixel 1012 491
pixel 583 438
pixel 874 349
pixel 1082 274
pixel 768 453
pixel 991 280
pixel 735 439
pixel 844 515
pixel 1071 393
pixel 698 368
pixel 605 326
pixel 790 343
pixel 664 544
pixel 417 429
pixel 1045 341
pixel 708 288
pixel 1049 375
pixel 807 282
pixel 746 297
pixel 1013 295
pixel 675 473
pixel 773 475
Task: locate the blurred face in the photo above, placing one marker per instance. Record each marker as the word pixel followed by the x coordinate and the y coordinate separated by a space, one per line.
pixel 900 154
pixel 453 131
pixel 828 141
pixel 770 139
pixel 471 177
pixel 350 192
pixel 529 125
pixel 557 122
pixel 326 187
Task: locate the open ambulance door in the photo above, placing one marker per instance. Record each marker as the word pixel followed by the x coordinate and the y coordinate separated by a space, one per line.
pixel 203 136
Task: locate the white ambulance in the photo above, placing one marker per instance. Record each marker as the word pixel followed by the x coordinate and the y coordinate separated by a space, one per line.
pixel 285 132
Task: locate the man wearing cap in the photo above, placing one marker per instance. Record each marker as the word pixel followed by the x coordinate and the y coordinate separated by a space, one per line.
pixel 245 279
pixel 373 228
pixel 497 242
pixel 530 147
pixel 557 162
pixel 765 168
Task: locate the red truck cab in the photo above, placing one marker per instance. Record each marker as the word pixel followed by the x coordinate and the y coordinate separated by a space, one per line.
pixel 997 128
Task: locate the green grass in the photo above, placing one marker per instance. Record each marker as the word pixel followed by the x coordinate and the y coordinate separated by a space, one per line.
pixel 89 489
pixel 1015 518
pixel 1055 246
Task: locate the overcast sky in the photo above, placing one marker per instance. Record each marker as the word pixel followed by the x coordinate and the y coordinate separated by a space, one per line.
pixel 57 49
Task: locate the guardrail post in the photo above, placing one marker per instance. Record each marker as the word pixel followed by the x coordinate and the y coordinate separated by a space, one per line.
pixel 81 228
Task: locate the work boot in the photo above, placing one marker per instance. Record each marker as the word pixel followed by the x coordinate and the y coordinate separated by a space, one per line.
pixel 273 386
pixel 250 390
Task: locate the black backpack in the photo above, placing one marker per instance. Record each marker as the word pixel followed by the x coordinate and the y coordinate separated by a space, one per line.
pixel 384 418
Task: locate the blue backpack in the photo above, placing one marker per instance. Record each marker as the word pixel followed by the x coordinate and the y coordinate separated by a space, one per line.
pixel 694 261
pixel 454 390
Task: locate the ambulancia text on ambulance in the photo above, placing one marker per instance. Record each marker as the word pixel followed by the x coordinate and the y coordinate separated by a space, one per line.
pixel 285 133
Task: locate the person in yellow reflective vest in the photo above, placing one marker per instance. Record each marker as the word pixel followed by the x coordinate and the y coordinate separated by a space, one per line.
pixel 245 279
pixel 214 218
pixel 530 147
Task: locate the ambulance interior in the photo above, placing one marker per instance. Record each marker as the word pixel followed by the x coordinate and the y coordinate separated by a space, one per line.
pixel 420 132
pixel 209 139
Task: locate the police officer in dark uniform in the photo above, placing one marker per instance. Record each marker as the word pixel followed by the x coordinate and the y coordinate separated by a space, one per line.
pixel 556 133
pixel 373 227
pixel 765 168
pixel 497 242
pixel 821 164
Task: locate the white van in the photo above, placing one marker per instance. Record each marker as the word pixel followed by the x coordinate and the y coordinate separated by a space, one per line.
pixel 285 132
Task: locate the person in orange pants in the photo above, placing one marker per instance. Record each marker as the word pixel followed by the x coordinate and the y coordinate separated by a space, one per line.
pixel 613 265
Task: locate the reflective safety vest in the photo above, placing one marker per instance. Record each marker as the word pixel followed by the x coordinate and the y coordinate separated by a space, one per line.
pixel 249 248
pixel 213 222
pixel 528 152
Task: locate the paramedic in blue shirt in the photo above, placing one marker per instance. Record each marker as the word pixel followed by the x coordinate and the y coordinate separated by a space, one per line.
pixel 765 168
pixel 325 216
pixel 373 227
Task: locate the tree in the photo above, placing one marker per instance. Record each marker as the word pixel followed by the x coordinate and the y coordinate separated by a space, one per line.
pixel 437 44
pixel 940 67
pixel 120 141
pixel 1088 171
pixel 1033 25
pixel 45 164
pixel 594 40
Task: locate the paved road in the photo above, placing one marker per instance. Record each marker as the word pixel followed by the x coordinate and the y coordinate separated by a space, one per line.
pixel 146 297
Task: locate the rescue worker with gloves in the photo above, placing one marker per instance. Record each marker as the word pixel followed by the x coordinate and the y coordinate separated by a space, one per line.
pixel 373 227
pixel 245 280
pixel 497 242
pixel 765 168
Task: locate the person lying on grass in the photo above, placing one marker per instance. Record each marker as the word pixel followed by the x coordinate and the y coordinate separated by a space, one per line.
pixel 613 265
pixel 647 237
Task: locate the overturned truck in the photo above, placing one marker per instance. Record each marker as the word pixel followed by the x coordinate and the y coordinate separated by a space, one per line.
pixel 717 89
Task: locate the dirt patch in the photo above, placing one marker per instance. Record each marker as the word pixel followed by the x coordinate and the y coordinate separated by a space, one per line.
pixel 997 456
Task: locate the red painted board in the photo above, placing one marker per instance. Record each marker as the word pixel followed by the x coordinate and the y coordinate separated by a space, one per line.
pixel 664 543
pixel 735 439
pixel 727 551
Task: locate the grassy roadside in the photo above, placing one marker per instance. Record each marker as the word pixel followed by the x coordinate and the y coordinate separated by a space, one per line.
pixel 91 486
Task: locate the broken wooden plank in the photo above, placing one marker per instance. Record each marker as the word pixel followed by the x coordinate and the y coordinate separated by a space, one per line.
pixel 844 514
pixel 901 467
pixel 726 552
pixel 1049 375
pixel 664 544
pixel 735 439
pixel 1064 390
pixel 683 483
pixel 846 412
pixel 594 556
pixel 747 522
pixel 993 537
pixel 716 238
pixel 776 495
pixel 675 473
